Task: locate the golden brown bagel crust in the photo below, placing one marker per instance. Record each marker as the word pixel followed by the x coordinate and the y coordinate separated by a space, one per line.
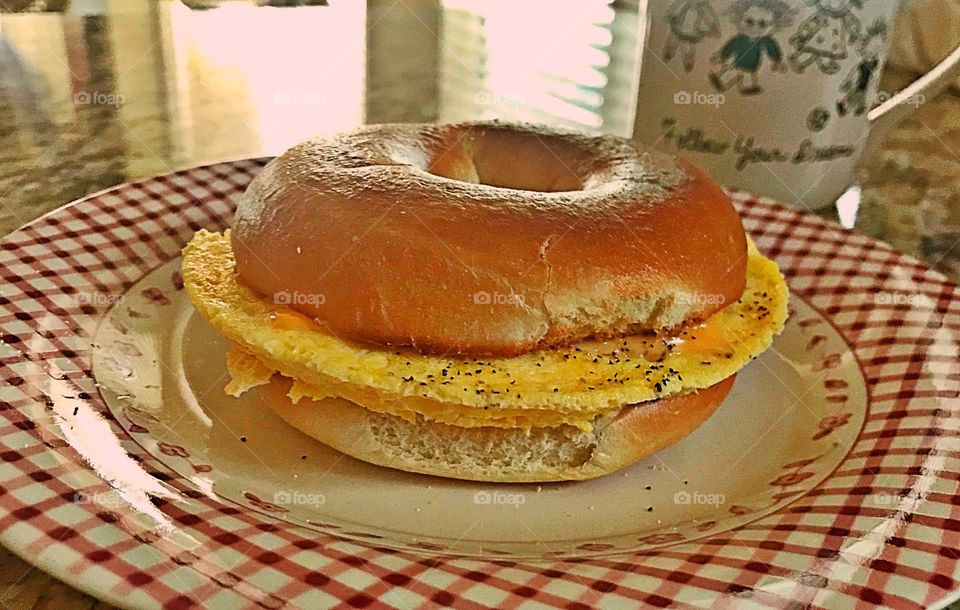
pixel 562 453
pixel 386 236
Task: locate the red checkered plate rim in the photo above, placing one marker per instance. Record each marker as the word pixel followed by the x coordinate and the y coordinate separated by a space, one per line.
pixel 830 548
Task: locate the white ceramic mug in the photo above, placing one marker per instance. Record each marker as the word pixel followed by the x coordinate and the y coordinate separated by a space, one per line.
pixel 776 97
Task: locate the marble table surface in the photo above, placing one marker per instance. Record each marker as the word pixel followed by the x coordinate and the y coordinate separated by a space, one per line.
pixel 89 100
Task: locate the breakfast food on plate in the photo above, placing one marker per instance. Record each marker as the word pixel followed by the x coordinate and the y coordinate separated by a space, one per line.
pixel 486 301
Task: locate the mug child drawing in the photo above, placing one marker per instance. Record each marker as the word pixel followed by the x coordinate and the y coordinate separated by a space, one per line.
pixel 690 22
pixel 741 57
pixel 823 38
pixel 858 80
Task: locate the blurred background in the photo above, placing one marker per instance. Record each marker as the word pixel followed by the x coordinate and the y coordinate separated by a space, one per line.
pixel 110 90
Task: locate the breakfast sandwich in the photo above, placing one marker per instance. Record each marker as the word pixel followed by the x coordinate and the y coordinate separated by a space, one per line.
pixel 486 301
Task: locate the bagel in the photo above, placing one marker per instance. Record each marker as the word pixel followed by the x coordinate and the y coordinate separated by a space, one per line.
pixel 486 301
pixel 559 453
pixel 509 237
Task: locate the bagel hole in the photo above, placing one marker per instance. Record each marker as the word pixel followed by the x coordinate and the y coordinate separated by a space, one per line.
pixel 527 165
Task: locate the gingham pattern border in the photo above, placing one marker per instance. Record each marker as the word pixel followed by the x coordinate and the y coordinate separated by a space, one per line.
pixel 831 548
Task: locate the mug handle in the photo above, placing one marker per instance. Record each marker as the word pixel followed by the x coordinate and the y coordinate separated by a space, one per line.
pixel 895 109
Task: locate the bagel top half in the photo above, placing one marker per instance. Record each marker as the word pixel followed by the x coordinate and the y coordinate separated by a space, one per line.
pixel 486 238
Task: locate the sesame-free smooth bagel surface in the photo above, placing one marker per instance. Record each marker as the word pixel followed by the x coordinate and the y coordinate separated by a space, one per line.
pixel 487 238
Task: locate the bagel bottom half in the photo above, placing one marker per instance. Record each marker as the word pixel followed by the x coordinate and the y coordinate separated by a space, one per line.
pixel 562 453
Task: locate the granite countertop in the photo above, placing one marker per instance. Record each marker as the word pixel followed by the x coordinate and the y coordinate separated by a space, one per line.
pixel 88 101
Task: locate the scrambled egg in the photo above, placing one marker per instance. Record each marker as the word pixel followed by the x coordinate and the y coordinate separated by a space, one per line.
pixel 573 384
